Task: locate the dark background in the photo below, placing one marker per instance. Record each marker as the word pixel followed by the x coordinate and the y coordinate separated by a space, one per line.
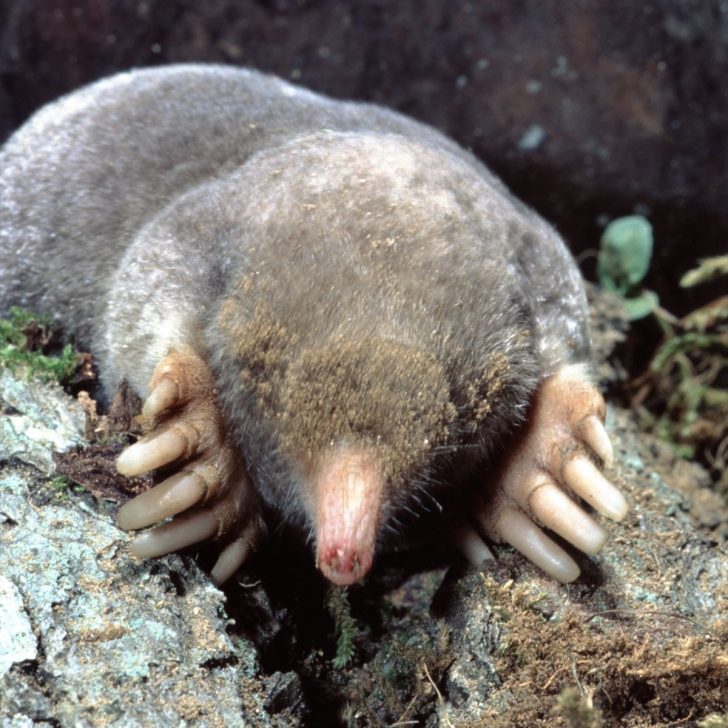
pixel 589 110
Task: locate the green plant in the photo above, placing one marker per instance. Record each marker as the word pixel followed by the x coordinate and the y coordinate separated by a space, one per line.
pixel 337 603
pixel 682 395
pixel 624 258
pixel 26 341
pixel 62 486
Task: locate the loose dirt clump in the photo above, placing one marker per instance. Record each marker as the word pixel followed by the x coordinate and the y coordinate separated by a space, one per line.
pixel 618 667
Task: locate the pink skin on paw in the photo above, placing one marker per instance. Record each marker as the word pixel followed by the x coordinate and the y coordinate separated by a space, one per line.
pixel 209 496
pixel 348 497
pixel 552 460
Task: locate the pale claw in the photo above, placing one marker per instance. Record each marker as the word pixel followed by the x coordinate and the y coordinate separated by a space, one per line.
pixel 231 558
pixel 525 536
pixel 178 534
pixel 585 479
pixel 191 433
pixel 471 545
pixel 595 435
pixel 173 444
pixel 176 494
pixel 559 513
pixel 165 395
pixel 547 461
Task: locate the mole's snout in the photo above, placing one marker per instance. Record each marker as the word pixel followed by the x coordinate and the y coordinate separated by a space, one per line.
pixel 348 491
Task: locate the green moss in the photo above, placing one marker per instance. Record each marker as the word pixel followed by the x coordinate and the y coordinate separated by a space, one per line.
pixel 24 336
pixel 60 483
pixel 61 486
pixel 345 625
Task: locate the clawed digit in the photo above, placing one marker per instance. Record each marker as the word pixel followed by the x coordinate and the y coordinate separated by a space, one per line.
pixel 175 443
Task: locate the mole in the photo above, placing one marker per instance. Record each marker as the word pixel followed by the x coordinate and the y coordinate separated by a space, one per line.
pixel 328 308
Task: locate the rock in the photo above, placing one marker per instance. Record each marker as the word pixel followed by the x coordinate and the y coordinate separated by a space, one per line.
pixel 285 695
pixel 88 635
pixel 17 641
pixel 37 420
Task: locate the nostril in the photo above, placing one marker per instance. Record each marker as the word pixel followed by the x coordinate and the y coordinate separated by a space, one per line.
pixel 340 560
pixel 343 566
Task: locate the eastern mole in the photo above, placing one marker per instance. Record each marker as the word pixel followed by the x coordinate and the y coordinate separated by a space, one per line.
pixel 327 306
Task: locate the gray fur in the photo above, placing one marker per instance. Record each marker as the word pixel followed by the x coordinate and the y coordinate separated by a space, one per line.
pixel 136 208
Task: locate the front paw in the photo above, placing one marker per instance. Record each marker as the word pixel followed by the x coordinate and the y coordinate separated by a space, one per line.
pixel 540 477
pixel 209 495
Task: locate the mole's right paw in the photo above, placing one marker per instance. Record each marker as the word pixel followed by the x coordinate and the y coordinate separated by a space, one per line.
pixel 210 487
pixel 551 465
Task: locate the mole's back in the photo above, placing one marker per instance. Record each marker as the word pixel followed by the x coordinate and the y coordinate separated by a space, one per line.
pixel 91 172
pixel 88 171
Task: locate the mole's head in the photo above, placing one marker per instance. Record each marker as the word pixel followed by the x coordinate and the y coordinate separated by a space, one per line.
pixel 339 435
pixel 365 327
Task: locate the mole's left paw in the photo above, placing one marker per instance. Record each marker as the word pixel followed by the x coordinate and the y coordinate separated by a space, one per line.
pixel 208 495
pixel 552 461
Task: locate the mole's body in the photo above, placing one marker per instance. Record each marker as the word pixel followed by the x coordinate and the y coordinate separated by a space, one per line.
pixel 332 303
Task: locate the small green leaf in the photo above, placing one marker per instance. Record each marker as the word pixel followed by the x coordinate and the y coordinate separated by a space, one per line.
pixel 624 254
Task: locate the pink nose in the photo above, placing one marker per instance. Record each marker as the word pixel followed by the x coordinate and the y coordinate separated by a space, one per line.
pixel 348 488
